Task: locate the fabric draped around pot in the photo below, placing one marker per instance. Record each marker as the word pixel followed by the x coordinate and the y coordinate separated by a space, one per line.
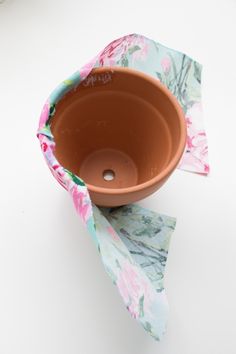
pixel 133 242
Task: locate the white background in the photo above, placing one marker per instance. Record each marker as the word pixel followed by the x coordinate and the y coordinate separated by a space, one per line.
pixel 55 297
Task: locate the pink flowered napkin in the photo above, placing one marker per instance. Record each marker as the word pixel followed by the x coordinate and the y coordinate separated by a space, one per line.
pixel 133 242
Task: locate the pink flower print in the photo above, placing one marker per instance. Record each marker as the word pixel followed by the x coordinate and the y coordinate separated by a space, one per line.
pixel 44 147
pixel 113 233
pixel 114 50
pixel 48 149
pixel 206 169
pixel 109 51
pixel 196 154
pixel 119 48
pixel 195 157
pixel 190 142
pixel 58 174
pixel 133 287
pixel 166 65
pixel 82 203
pixel 44 115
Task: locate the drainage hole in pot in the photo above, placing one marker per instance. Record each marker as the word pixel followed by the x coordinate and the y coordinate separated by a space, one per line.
pixel 108 175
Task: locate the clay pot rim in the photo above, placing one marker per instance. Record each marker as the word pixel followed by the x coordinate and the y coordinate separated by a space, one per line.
pixel 182 141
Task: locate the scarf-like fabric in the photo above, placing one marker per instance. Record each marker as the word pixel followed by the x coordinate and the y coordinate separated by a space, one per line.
pixel 132 241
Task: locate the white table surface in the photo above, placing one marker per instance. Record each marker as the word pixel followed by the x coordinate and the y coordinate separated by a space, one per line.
pixel 55 297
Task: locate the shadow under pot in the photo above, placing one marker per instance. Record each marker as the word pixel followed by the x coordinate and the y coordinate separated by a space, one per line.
pixel 122 132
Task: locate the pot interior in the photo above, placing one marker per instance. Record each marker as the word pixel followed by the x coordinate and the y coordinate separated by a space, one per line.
pixel 116 129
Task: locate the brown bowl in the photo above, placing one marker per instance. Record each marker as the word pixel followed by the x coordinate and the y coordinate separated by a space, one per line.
pixel 122 132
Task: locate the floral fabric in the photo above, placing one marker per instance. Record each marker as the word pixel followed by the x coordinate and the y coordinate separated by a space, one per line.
pixel 132 241
pixel 182 76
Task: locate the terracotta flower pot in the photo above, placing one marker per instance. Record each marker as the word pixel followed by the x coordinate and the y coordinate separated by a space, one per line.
pixel 122 132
